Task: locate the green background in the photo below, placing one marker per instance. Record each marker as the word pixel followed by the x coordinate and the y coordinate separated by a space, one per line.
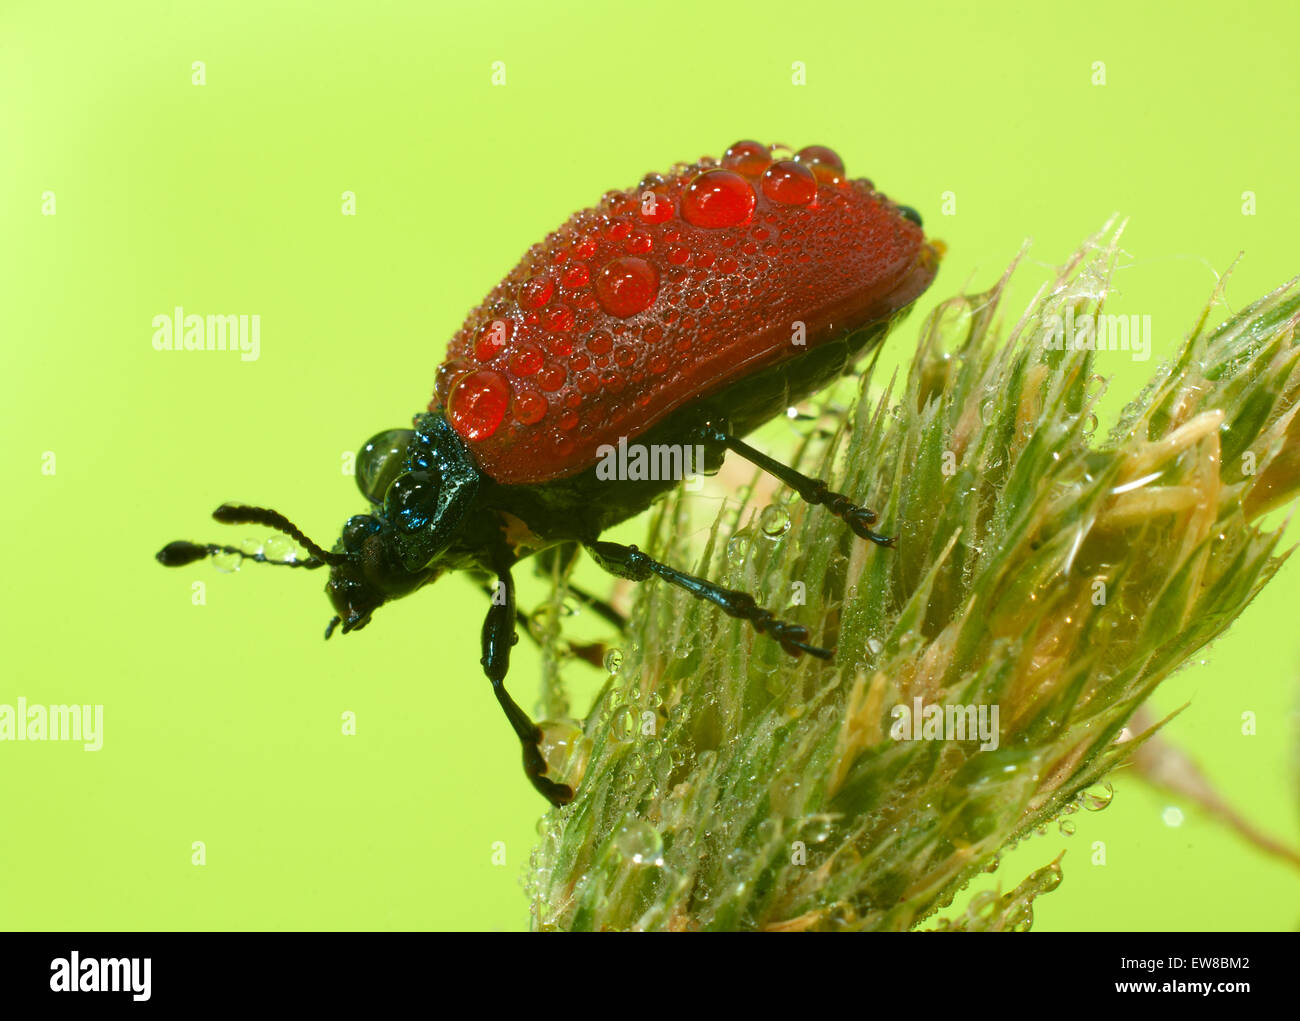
pixel 222 721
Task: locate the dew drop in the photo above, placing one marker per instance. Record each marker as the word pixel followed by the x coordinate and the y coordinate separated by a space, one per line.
pixel 541 622
pixel 825 163
pixel 577 275
pixel 226 563
pixel 747 157
pixel 558 319
pixel 536 292
pixel 529 408
pixel 738 549
pixel 613 661
pixel 656 208
pixel 789 183
pixel 491 339
pixel 626 286
pixel 774 521
pixel 718 198
pixel 280 548
pixel 641 844
pixel 565 749
pixel 477 404
pixel 526 360
pixel 1097 800
pixel 552 377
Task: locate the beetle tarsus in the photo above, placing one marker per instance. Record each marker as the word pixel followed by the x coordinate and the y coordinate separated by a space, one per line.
pixel 499 636
pixel 629 562
pixel 811 491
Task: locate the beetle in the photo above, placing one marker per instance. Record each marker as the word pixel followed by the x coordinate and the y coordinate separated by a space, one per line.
pixel 683 313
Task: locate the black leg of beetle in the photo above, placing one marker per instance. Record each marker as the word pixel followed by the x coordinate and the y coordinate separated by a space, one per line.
pixel 588 652
pixel 630 562
pixel 812 491
pixel 498 638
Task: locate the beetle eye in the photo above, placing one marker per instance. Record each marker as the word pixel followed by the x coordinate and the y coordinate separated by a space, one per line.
pixel 411 500
pixel 380 461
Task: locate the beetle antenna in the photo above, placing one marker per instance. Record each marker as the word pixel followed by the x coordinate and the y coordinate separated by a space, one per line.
pixel 181 552
pixel 238 514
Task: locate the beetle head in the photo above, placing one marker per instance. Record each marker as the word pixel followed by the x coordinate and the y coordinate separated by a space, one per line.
pixel 420 484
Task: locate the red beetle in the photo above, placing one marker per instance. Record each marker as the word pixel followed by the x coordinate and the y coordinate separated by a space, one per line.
pixel 674 317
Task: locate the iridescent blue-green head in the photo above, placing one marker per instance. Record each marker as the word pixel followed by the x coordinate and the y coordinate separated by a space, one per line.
pixel 420 484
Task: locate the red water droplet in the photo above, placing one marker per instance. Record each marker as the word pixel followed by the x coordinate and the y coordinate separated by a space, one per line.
pixel 526 361
pixel 624 356
pixel 613 381
pixel 653 334
pixel 618 230
pixel 552 378
pixel 747 157
pixel 536 292
pixel 568 420
pixel 529 408
pixel 600 343
pixel 588 382
pixel 718 198
pixel 477 404
pixel 626 286
pixel 577 275
pixel 679 255
pixel 617 202
pixel 656 208
pixel 658 363
pixel 819 156
pixel 584 248
pixel 558 319
pixel 639 243
pixel 492 338
pixel 789 183
pixel 579 362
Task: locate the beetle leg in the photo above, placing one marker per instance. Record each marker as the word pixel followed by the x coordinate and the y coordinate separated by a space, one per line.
pixel 629 562
pixel 498 638
pixel 813 491
pixel 589 652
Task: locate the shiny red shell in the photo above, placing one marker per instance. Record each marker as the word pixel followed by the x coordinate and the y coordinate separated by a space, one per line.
pixel 666 293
